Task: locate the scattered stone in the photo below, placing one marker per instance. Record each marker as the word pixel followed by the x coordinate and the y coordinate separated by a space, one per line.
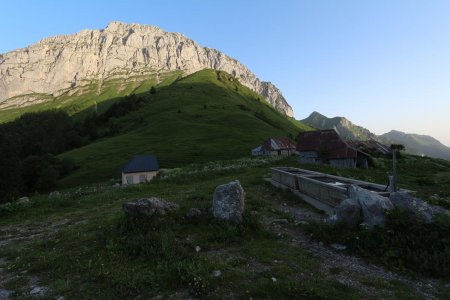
pixel 349 212
pixel 149 207
pixel 5 294
pixel 216 273
pixel 228 201
pixel 280 221
pixel 339 247
pixel 39 291
pixel 373 206
pixel 416 207
pixel 197 249
pixel 193 213
pixel 116 185
pixel 23 200
pixel 54 194
pixel 274 279
pixel 301 223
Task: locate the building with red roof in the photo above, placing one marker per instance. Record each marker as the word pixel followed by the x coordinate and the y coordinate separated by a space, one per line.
pixel 327 147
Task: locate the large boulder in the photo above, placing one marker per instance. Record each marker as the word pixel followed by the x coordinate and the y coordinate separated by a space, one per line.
pixel 416 207
pixel 349 212
pixel 373 206
pixel 228 201
pixel 149 207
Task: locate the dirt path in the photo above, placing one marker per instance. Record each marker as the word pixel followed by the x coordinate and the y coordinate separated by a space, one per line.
pixel 373 281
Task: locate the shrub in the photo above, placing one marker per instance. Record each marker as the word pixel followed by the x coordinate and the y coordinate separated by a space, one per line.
pixel 405 244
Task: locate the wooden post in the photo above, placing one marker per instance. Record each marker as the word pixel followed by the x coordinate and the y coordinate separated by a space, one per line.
pixel 391 184
pixel 394 170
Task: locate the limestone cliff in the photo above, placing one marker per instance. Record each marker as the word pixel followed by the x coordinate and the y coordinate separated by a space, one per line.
pixel 60 64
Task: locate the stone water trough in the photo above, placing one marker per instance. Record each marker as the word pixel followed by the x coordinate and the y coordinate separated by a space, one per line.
pixel 321 190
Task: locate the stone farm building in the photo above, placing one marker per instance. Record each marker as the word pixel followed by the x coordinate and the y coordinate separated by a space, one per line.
pixel 275 147
pixel 140 169
pixel 327 147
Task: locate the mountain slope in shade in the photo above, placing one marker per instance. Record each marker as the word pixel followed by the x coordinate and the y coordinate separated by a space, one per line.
pixel 86 61
pixel 205 116
pixel 344 127
pixel 418 144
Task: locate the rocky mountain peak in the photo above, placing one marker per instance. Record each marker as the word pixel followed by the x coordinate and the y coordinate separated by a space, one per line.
pixel 66 63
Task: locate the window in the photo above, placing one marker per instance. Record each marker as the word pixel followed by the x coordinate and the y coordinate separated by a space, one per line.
pixel 129 179
pixel 142 178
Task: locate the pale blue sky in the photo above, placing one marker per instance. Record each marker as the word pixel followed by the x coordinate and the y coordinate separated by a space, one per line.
pixel 384 64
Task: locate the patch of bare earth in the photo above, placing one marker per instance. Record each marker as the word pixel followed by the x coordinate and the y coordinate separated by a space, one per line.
pixel 19 236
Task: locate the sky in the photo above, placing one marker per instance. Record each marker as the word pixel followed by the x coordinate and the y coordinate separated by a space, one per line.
pixel 383 64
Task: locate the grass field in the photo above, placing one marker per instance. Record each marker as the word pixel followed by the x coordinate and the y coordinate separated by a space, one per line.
pixel 81 245
pixel 206 116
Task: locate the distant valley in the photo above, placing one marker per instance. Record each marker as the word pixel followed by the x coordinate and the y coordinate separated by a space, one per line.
pixel 422 145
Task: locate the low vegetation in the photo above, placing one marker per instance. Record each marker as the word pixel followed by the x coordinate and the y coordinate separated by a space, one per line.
pixel 404 245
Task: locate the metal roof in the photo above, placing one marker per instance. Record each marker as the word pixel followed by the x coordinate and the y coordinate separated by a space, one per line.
pixel 371 145
pixel 328 143
pixel 279 143
pixel 144 163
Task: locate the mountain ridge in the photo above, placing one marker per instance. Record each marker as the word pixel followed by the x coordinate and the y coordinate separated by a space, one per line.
pixel 342 125
pixel 66 63
pixel 415 143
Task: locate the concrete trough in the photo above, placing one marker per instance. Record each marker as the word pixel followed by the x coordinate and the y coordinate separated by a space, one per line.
pixel 321 190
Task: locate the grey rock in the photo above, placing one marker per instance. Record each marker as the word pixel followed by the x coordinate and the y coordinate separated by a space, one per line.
pixel 229 201
pixel 67 64
pixel 54 194
pixel 339 247
pixel 373 206
pixel 301 223
pixel 149 207
pixel 39 291
pixel 349 212
pixel 280 221
pixel 23 200
pixel 5 294
pixel 193 213
pixel 61 298
pixel 216 273
pixel 416 207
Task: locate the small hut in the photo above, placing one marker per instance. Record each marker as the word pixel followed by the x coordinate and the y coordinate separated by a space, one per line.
pixel 140 169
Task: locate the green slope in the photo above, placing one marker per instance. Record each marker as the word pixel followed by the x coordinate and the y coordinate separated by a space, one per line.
pixel 203 117
pixel 92 93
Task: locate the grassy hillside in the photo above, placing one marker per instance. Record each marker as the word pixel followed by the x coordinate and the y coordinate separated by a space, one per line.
pixel 80 243
pixel 88 95
pixel 206 116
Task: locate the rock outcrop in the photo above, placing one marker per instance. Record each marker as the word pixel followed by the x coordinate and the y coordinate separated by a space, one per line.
pixel 373 206
pixel 63 64
pixel 349 212
pixel 416 207
pixel 229 201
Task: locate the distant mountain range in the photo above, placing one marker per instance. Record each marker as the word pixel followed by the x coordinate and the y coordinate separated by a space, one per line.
pixel 414 143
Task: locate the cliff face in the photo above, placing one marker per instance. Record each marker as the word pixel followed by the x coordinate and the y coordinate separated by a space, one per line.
pixel 60 64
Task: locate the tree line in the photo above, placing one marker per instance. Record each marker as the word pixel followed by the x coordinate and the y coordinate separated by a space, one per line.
pixel 30 144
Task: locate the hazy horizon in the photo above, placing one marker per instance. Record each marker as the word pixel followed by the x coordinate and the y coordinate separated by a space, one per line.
pixel 383 65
